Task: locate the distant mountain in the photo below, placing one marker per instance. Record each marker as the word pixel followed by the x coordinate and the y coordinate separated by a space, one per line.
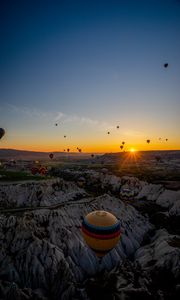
pixel 33 155
pixel 21 154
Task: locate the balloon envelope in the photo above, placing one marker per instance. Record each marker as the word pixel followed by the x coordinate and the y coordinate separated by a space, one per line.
pixel 34 170
pixel 51 155
pixel 101 231
pixel 2 132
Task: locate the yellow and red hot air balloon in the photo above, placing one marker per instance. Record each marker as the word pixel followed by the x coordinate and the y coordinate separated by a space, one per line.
pixel 101 231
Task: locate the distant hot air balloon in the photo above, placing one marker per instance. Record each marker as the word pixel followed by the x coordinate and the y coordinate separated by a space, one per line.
pixel 148 141
pixel 42 171
pixel 121 147
pixel 2 132
pixel 51 155
pixel 56 124
pixel 166 65
pixel 123 143
pixel 166 140
pixel 108 132
pixel 68 150
pixel 64 136
pixel 101 231
pixel 92 155
pixel 79 150
pixel 160 139
pixel 34 170
pixel 117 126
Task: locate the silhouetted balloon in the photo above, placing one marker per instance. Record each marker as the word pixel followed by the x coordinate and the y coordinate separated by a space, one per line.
pixel 148 141
pixel 64 136
pixel 42 171
pixel 68 150
pixel 101 231
pixel 166 65
pixel 2 132
pixel 117 126
pixel 108 132
pixel 79 150
pixel 123 143
pixel 56 124
pixel 51 155
pixel 92 155
pixel 166 140
pixel 34 170
pixel 121 147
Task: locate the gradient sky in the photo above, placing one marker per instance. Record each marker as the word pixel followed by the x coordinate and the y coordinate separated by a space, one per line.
pixel 90 66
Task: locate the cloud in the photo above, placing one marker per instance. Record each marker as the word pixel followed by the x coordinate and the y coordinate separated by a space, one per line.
pixel 65 118
pixel 61 117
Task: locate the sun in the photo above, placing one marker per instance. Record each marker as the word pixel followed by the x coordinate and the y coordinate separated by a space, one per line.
pixel 132 150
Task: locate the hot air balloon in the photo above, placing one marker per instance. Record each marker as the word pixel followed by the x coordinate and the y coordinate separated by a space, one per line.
pixel 117 126
pixel 64 136
pixel 2 132
pixel 123 143
pixel 42 171
pixel 68 150
pixel 160 139
pixel 121 147
pixel 166 140
pixel 108 132
pixel 34 170
pixel 166 65
pixel 92 155
pixel 56 124
pixel 51 155
pixel 148 141
pixel 101 231
pixel 79 150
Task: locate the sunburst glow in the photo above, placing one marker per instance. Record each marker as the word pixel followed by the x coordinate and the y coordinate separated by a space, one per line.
pixel 132 150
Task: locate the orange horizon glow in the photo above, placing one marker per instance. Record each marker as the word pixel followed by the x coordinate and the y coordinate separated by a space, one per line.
pixel 86 149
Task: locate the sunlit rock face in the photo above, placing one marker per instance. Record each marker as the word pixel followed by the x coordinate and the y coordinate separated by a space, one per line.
pixel 43 193
pixel 43 255
pixel 40 247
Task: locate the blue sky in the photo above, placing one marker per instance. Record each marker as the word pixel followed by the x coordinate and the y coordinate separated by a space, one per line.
pixel 90 65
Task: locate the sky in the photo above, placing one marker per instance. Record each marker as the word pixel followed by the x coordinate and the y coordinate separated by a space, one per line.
pixel 90 66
